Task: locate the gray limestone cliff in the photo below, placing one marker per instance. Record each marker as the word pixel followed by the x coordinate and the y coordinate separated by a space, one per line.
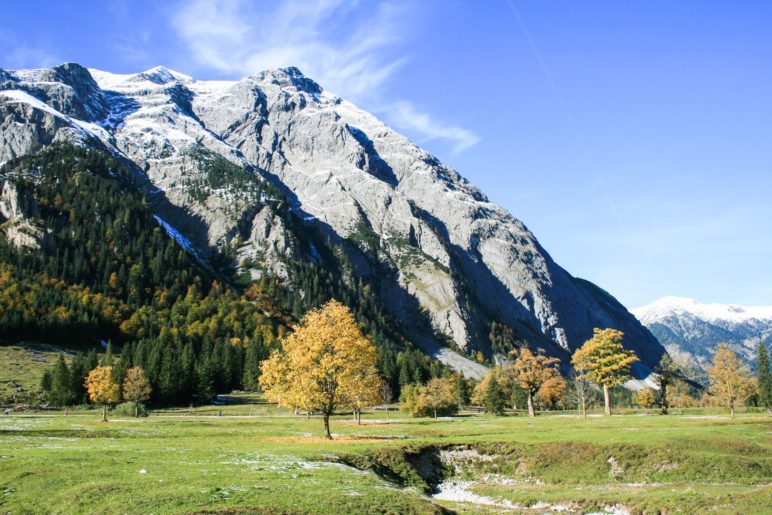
pixel 437 248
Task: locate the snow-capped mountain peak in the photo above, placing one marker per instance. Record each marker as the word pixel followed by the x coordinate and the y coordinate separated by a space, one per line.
pixel 673 305
pixel 445 260
pixel 691 331
pixel 162 75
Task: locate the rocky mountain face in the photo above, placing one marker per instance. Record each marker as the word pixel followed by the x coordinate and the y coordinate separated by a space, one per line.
pixel 691 331
pixel 445 260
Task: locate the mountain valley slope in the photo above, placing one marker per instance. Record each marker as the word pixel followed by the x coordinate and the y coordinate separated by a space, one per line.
pixel 448 263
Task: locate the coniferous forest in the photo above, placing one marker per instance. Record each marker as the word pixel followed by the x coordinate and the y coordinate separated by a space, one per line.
pixel 105 270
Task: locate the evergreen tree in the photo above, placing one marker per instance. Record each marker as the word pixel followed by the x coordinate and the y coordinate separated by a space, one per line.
pixel 45 382
pixel 188 370
pixel 205 380
pixel 461 388
pixel 170 376
pixel 61 384
pixel 108 360
pixel 494 399
pixel 79 369
pixel 763 376
pixel 404 375
pixel 251 368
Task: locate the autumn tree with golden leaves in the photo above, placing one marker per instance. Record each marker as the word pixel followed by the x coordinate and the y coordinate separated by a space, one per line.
pixel 533 372
pixel 364 393
pixel 646 398
pixel 730 379
pixel 604 361
pixel 325 365
pixel 102 388
pixel 136 387
pixel 439 396
pixel 553 390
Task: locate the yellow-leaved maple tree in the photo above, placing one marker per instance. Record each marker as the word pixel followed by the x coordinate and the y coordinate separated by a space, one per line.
pixel 102 388
pixel 730 379
pixel 646 398
pixel 553 390
pixel 326 364
pixel 604 361
pixel 136 387
pixel 365 392
pixel 533 372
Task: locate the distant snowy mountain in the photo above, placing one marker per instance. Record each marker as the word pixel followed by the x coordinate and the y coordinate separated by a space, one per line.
pixel 690 331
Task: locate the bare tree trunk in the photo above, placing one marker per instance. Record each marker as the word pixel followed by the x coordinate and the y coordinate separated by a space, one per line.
pixel 731 408
pixel 531 412
pixel 607 399
pixel 435 412
pixel 663 398
pixel 327 426
pixel 136 410
pixel 104 412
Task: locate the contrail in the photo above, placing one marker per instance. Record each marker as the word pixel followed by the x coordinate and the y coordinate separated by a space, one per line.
pixel 568 114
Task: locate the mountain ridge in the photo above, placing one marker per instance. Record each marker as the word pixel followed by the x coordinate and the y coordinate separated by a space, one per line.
pixel 691 330
pixel 429 241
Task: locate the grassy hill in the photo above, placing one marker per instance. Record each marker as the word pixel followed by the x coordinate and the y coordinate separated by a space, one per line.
pixel 24 365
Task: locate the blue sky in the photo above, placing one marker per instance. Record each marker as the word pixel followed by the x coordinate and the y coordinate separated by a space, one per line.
pixel 633 138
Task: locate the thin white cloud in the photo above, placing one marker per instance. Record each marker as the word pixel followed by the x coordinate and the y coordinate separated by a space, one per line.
pixel 404 114
pixel 236 37
pixel 22 55
pixel 331 41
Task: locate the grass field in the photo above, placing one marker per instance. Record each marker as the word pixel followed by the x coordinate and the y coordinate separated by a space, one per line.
pixel 257 458
pixel 23 365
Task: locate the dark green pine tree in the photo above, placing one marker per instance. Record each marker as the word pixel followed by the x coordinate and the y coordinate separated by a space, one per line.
pixel 170 376
pixel 404 375
pixel 79 369
pixel 122 365
pixel 188 369
pixel 205 380
pixel 206 373
pixel 92 361
pixel 251 368
pixel 45 382
pixel 108 360
pixel 494 399
pixel 61 384
pixel 235 366
pixel 435 369
pixel 462 390
pixel 763 376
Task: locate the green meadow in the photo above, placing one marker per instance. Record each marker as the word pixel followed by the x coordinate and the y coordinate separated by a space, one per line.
pixel 256 458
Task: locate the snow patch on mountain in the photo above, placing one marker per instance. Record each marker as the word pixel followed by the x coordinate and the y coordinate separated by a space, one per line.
pixel 16 95
pixel 177 236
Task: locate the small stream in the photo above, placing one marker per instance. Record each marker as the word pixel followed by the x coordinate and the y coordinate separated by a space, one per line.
pixel 459 490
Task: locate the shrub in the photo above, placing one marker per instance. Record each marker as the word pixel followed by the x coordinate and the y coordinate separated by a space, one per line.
pixel 127 409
